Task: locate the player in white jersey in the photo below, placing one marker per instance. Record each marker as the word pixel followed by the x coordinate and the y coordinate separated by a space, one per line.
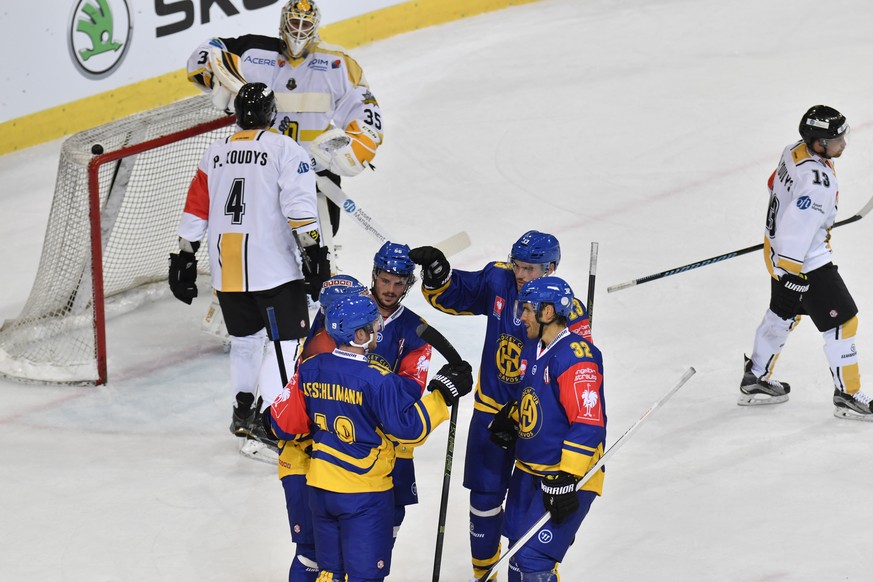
pixel 253 196
pixel 803 206
pixel 324 101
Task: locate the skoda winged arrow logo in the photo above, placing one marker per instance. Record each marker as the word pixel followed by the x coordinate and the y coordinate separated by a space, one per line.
pixel 99 34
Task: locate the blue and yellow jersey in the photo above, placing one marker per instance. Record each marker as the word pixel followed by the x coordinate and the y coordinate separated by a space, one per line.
pixel 360 410
pixel 562 411
pixel 492 292
pixel 400 350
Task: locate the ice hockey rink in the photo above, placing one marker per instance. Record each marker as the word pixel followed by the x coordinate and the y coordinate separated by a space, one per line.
pixel 649 127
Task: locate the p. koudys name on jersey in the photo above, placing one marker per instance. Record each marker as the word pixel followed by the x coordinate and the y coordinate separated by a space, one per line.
pixel 240 157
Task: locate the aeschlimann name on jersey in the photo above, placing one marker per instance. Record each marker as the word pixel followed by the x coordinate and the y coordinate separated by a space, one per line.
pixel 241 157
pixel 338 392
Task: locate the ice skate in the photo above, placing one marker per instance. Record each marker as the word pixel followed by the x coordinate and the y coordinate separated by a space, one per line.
pixel 243 414
pixel 857 406
pixel 757 390
pixel 258 444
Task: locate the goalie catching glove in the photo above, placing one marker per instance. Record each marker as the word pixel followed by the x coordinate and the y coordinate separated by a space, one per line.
pixel 183 272
pixel 453 381
pixel 347 152
pixel 559 495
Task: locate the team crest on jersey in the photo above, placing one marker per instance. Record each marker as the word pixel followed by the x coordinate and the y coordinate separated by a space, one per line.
pixel 507 358
pixel 529 414
pixel 499 304
pixel 378 361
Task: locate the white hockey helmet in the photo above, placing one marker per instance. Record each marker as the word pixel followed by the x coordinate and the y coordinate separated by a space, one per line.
pixel 298 26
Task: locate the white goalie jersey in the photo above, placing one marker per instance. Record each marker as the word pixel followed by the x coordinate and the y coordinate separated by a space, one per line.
pixel 251 189
pixel 803 206
pixel 323 90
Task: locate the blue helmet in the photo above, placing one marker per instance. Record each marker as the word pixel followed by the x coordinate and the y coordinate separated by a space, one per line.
pixel 394 258
pixel 537 248
pixel 338 286
pixel 552 290
pixel 348 314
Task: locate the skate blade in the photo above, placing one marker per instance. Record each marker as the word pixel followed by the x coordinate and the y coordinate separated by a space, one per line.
pixel 259 452
pixel 847 414
pixel 760 399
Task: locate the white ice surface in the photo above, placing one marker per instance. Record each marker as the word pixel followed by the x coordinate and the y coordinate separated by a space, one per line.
pixel 648 127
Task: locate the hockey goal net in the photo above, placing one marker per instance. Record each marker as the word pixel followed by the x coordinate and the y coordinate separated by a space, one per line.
pixel 112 226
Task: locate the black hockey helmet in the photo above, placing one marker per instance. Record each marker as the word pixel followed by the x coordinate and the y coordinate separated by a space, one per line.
pixel 822 122
pixel 255 106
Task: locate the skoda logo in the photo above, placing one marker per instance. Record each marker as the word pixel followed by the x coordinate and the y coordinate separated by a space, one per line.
pixel 100 32
pixel 349 206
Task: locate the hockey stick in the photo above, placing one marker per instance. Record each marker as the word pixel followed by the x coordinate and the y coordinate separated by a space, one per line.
pixel 858 216
pixel 453 245
pixel 609 452
pixel 442 345
pixel 592 274
pixel 254 447
pixel 280 357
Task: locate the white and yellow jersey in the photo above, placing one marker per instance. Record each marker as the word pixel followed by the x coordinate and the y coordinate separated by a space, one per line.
pixel 251 189
pixel 323 90
pixel 803 206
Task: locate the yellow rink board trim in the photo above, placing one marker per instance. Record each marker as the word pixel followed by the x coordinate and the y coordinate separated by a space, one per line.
pixel 70 118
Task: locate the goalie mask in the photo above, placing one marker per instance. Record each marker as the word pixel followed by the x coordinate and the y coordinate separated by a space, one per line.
pixel 255 106
pixel 298 26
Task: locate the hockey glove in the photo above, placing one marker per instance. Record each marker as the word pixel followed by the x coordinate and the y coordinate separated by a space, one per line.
pixel 559 495
pixel 316 269
pixel 453 381
pixel 435 268
pixel 787 294
pixel 183 276
pixel 504 426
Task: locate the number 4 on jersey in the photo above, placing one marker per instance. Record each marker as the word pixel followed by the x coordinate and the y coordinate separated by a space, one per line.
pixel 235 206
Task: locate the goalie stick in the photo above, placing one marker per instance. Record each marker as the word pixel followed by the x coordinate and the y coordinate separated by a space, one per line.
pixel 609 452
pixel 618 287
pixel 452 245
pixel 442 345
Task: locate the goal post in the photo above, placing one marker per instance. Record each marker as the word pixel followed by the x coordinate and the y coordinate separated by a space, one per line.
pixel 118 198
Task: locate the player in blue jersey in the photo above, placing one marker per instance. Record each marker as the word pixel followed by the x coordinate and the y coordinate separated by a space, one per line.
pixel 360 410
pixel 400 350
pixel 558 425
pixel 492 292
pixel 293 457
